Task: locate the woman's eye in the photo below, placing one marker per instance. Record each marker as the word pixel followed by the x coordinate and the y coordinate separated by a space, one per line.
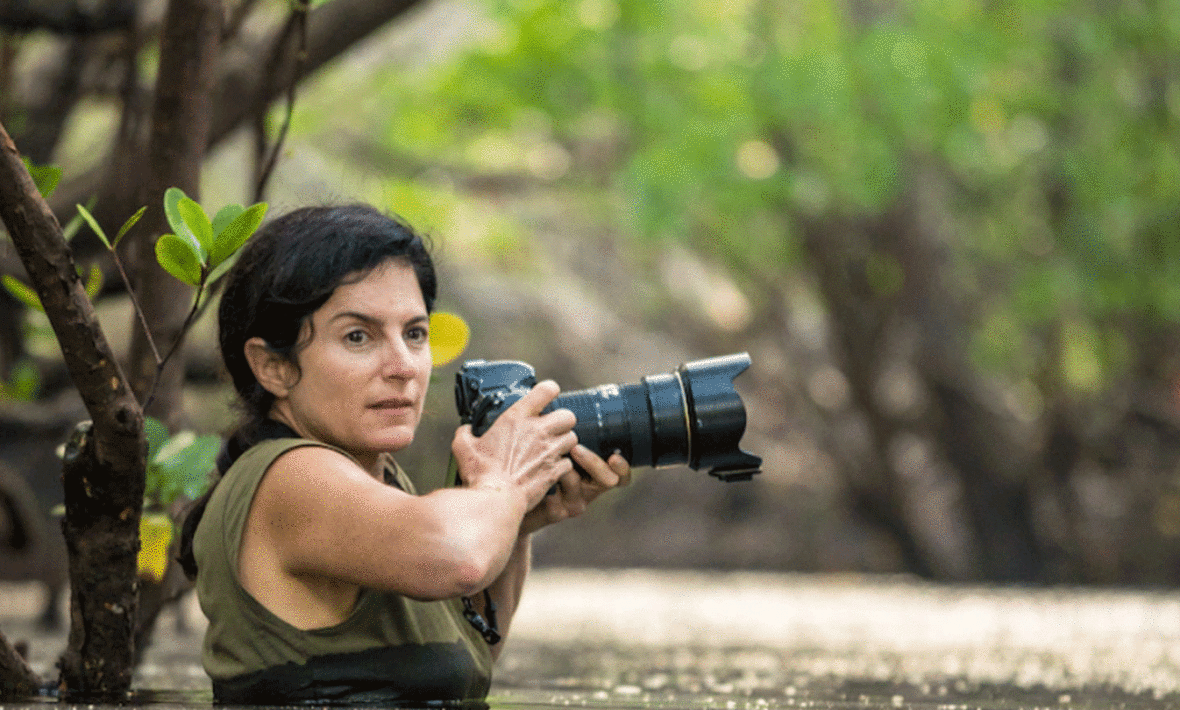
pixel 356 337
pixel 418 335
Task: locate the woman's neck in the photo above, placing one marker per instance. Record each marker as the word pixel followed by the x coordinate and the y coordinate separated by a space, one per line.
pixel 370 462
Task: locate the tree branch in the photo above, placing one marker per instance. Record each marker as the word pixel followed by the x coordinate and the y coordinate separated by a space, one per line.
pixel 267 159
pixel 104 484
pixel 66 16
pixel 36 235
pixel 244 85
pixel 332 28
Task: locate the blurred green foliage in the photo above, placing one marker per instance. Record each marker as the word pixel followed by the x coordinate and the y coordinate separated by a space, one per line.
pixel 1047 130
pixel 45 177
pixel 23 383
pixel 178 464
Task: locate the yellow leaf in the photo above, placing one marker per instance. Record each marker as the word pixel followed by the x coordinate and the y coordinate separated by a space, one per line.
pixel 155 535
pixel 448 337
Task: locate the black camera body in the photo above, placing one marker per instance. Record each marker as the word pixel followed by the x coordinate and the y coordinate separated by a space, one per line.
pixel 690 416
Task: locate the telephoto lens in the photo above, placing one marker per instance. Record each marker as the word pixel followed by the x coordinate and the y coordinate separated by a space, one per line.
pixel 691 416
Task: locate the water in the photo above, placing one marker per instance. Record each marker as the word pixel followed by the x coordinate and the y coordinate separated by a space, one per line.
pixel 745 641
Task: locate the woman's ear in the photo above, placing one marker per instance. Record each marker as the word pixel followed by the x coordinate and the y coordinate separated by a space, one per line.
pixel 273 371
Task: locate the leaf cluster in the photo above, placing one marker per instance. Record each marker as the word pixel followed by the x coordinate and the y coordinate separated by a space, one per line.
pixel 198 252
pixel 199 249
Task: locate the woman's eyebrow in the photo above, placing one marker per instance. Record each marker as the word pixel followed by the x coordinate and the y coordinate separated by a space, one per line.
pixel 356 315
pixel 373 320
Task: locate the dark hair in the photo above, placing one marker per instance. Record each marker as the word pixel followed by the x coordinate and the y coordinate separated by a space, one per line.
pixel 283 275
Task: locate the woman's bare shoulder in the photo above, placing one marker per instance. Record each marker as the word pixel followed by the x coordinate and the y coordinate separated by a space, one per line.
pixel 316 470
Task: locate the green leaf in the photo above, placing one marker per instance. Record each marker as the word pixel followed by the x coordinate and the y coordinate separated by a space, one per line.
pixel 94 225
pixel 179 257
pixel 45 177
pixel 22 292
pixel 70 231
pixel 156 434
pixel 151 485
pixel 198 223
pixel 128 225
pixel 220 269
pixel 184 462
pixel 24 382
pixel 172 198
pixel 235 234
pixel 94 282
pixel 224 216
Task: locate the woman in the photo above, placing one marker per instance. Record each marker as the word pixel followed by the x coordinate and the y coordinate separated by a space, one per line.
pixel 324 577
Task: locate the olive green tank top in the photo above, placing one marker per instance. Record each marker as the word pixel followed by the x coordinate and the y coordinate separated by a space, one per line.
pixel 390 650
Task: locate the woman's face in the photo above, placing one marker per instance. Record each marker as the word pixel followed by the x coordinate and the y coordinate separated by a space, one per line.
pixel 363 375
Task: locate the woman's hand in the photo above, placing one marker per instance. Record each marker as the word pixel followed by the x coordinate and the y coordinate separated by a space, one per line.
pixel 574 493
pixel 523 449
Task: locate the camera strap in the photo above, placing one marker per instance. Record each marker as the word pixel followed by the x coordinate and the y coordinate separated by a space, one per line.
pixel 488 628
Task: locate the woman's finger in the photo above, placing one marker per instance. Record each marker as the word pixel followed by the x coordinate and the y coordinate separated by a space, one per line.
pixel 559 421
pixel 535 399
pixel 599 471
pixel 621 468
pixel 572 494
pixel 565 443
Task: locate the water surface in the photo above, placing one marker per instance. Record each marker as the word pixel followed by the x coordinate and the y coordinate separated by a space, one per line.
pixel 746 641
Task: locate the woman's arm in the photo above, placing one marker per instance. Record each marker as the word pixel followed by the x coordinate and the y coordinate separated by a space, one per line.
pixel 317 515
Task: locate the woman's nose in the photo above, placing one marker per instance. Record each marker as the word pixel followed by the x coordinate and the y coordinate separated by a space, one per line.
pixel 398 362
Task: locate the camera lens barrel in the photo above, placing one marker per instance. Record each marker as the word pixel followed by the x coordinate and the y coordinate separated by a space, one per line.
pixel 645 421
pixel 690 416
pixel 668 418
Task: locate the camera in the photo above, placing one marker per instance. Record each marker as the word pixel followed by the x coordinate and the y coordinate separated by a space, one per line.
pixel 690 416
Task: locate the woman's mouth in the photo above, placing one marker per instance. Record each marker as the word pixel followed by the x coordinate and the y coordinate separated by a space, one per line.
pixel 393 404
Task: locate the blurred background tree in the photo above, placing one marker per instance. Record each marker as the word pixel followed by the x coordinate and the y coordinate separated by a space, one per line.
pixel 946 231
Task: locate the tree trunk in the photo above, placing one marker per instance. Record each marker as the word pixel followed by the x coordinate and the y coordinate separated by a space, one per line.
pixel 176 149
pixel 17 679
pixel 180 129
pixel 246 87
pixel 104 475
pixel 838 251
pixel 104 595
pixel 104 478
